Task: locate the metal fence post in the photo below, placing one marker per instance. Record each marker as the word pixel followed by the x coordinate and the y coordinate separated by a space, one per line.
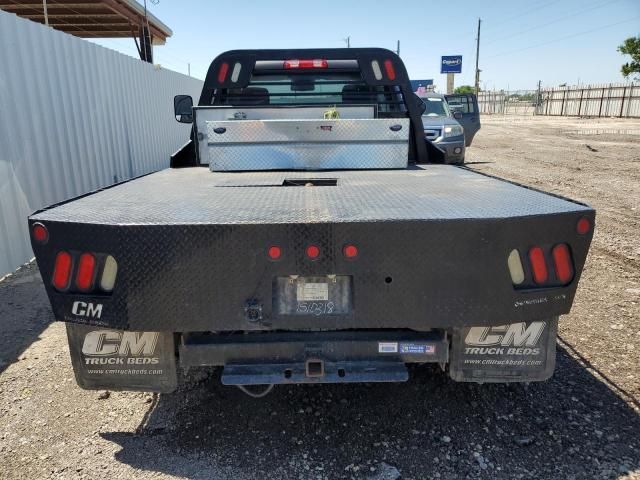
pixel 549 99
pixel 624 92
pixel 580 102
pixel 601 102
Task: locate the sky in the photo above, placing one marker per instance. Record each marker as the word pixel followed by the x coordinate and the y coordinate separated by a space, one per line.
pixel 521 42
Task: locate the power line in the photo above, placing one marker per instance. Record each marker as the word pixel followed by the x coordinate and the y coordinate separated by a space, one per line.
pixel 565 37
pixel 531 10
pixel 557 20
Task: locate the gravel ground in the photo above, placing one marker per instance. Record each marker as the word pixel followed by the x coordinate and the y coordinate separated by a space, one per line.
pixel 583 423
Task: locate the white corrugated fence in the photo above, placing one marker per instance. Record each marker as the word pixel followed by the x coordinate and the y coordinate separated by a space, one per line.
pixel 74 117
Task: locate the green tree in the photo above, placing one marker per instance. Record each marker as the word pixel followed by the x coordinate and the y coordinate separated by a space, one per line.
pixel 465 89
pixel 631 47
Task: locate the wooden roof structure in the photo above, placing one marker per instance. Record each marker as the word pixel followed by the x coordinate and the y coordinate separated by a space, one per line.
pixel 92 18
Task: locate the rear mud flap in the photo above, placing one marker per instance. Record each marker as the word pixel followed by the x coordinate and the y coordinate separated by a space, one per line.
pixel 518 352
pixel 122 360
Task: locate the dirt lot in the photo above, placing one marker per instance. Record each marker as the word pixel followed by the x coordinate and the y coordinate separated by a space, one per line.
pixel 584 423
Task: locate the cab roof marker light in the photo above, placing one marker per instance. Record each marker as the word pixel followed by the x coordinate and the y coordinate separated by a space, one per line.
pixel 235 73
pixel 222 73
pixel 109 273
pixel 375 66
pixel 515 267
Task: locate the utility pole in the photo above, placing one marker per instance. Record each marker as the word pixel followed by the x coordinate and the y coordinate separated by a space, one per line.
pixel 189 69
pixel 46 12
pixel 348 41
pixel 477 58
pixel 398 48
pixel 539 98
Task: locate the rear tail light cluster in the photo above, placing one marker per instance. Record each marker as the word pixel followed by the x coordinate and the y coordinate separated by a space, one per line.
pixel 84 272
pixel 389 69
pixel 312 252
pixel 544 267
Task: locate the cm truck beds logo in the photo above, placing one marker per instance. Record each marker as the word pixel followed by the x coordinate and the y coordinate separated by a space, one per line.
pixel 87 309
pixel 111 347
pixel 493 340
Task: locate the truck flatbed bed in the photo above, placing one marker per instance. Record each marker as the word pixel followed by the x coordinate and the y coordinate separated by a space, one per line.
pixel 197 196
pixel 302 236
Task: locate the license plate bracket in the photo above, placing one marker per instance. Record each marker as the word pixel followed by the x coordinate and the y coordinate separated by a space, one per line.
pixel 318 295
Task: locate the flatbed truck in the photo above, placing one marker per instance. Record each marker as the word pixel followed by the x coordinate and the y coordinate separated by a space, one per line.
pixel 302 235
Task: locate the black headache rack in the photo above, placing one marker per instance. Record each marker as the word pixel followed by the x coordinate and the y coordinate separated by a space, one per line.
pixel 382 81
pixel 193 251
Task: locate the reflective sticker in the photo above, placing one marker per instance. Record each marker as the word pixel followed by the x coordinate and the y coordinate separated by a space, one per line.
pixel 387 347
pixel 421 348
pixel 312 292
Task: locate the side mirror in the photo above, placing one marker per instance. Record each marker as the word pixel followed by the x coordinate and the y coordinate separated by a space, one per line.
pixel 421 106
pixel 457 114
pixel 182 108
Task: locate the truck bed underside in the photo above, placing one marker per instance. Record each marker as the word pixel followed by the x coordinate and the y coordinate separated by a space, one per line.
pixel 432 242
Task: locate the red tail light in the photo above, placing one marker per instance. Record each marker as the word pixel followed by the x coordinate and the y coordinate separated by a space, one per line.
pixel 62 271
pixel 313 252
pixel 274 252
pixel 86 270
pixel 40 233
pixel 538 265
pixel 563 263
pixel 315 63
pixel 222 73
pixel 350 251
pixel 389 68
pixel 583 226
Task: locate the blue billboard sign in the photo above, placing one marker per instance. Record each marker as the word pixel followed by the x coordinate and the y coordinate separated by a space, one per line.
pixel 415 84
pixel 451 64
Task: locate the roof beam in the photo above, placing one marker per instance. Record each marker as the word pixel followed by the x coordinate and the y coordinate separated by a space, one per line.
pixel 68 15
pixel 31 6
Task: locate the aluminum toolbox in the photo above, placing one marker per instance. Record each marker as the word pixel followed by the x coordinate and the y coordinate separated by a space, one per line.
pixel 304 144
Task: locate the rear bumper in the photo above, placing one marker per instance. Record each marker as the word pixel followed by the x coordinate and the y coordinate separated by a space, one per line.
pixel 122 360
pixel 318 357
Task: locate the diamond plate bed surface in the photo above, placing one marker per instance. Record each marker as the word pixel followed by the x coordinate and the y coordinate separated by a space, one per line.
pixel 198 196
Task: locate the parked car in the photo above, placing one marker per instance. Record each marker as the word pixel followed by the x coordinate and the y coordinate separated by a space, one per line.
pixel 465 109
pixel 445 136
